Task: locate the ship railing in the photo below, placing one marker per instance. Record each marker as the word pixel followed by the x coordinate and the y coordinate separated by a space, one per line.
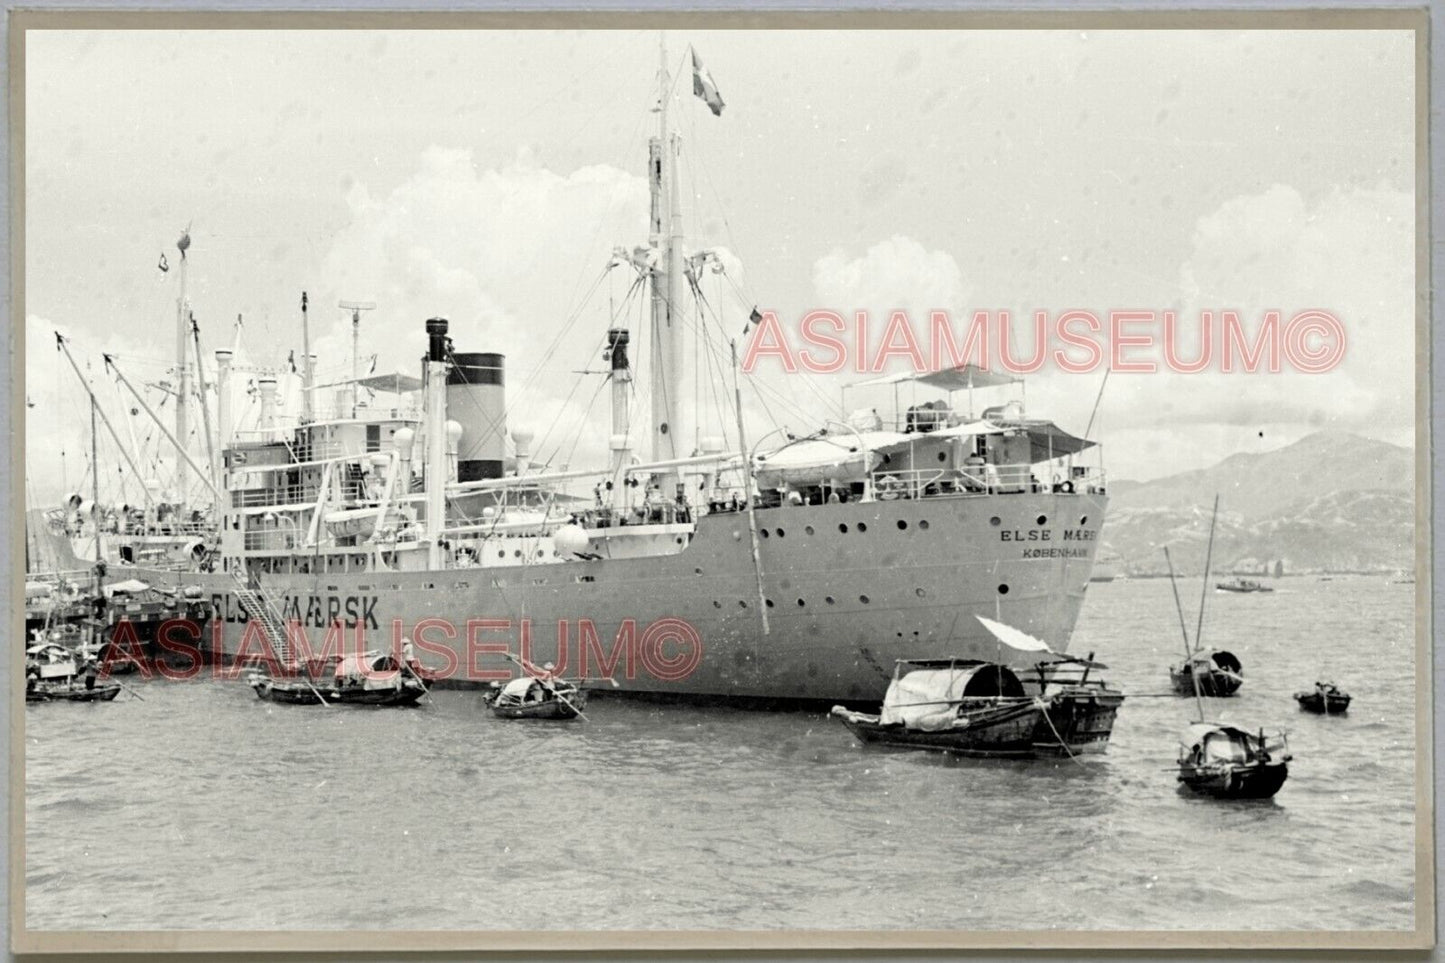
pixel 367 413
pixel 295 495
pixel 164 528
pixel 983 480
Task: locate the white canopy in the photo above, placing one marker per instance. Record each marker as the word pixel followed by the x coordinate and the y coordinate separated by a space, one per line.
pixel 925 699
pixel 517 688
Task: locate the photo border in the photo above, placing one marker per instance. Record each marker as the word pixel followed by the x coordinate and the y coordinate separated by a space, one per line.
pixel 23 940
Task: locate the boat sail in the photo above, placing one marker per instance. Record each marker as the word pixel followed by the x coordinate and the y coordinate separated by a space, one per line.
pixel 793 570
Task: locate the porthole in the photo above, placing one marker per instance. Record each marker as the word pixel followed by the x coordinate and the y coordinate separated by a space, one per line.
pixel 902 525
pixel 862 526
pixel 716 604
pixel 920 593
pixel 829 599
pixel 742 603
pixel 943 456
pixel 923 524
pixel 1083 519
pixel 801 603
pixel 843 529
pixel 763 532
pixel 1003 588
pixel 697 571
pixel 770 602
pixel 863 599
pixel 808 530
pixel 1042 519
pixel 994 521
pixel 781 533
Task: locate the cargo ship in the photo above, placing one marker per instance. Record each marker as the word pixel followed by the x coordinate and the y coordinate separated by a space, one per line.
pixel 689 567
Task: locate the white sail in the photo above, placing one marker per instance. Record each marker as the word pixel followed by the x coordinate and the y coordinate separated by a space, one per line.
pixel 1014 638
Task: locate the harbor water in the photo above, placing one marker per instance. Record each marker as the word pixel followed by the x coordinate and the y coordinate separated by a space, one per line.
pixel 200 807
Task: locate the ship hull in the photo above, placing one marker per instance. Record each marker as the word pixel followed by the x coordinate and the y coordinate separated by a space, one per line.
pixel 849 589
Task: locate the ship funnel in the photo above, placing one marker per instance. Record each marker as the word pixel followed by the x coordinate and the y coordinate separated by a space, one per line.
pixel 476 398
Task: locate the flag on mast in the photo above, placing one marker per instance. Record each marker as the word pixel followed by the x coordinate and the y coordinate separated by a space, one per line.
pixel 753 318
pixel 703 86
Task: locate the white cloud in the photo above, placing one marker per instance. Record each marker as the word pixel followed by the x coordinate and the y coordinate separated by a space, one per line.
pixel 1349 252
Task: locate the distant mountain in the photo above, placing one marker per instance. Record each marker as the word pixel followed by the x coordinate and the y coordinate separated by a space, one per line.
pixel 1331 502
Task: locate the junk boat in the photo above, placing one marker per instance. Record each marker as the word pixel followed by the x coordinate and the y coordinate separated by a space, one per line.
pixel 370 679
pixel 1243 585
pixel 1326 698
pixel 1217 674
pixel 961 706
pixel 697 565
pixel 53 673
pixel 1216 759
pixel 1229 763
pixel 1214 673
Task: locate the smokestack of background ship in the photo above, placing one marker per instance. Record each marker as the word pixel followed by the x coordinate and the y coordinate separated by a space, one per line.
pixel 476 400
pixel 438 347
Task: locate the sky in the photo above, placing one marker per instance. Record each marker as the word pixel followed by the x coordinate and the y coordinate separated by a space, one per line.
pixel 488 176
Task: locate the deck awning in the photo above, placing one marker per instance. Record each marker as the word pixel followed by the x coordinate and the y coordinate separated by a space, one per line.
pixel 949 379
pixel 1046 439
pixel 395 383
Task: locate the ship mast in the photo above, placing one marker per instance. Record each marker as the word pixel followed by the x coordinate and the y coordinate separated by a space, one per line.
pixel 666 238
pixel 95 498
pixel 183 368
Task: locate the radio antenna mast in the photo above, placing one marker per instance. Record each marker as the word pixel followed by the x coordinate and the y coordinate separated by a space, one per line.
pixel 356 307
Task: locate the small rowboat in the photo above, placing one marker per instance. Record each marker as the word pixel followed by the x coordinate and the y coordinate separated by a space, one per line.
pixel 1326 699
pixel 71 691
pixel 532 698
pixel 53 674
pixel 1228 763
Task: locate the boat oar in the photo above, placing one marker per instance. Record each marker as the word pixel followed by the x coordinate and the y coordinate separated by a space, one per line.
pixel 425 691
pixel 306 677
pixel 129 689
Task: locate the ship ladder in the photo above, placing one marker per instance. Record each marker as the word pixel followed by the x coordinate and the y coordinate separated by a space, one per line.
pixel 259 609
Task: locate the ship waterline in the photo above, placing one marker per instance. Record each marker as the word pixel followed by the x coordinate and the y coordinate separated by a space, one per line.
pixel 849 588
